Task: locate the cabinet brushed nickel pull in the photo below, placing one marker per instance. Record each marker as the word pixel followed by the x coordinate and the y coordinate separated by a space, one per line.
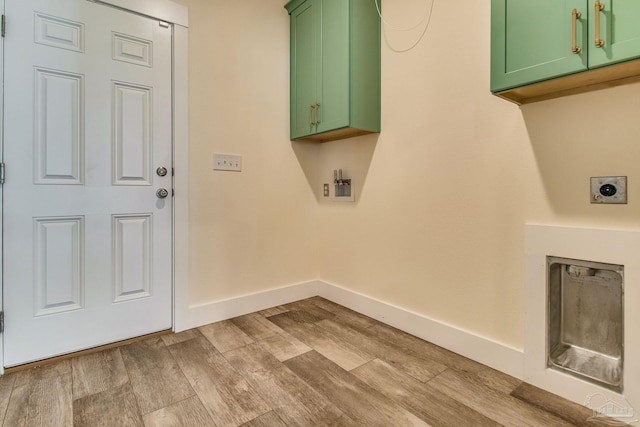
pixel 311 108
pixel 599 8
pixel 317 114
pixel 575 15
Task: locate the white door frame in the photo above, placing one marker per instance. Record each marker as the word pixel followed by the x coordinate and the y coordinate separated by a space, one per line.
pixel 1 192
pixel 164 10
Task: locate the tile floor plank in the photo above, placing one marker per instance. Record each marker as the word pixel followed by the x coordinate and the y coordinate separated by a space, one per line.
pixel 421 368
pixel 256 326
pixel 295 402
pixel 298 316
pixel 273 311
pixel 228 397
pixel 155 376
pixel 563 408
pixel 47 370
pixel 434 407
pixel 45 401
pixel 497 380
pixel 225 335
pixel 415 345
pixel 503 408
pixel 270 419
pixel 344 315
pixel 113 407
pixel 364 405
pixel 18 406
pixel 305 309
pixel 284 346
pixel 342 353
pixel 410 344
pixel 7 382
pixel 96 372
pixel 170 339
pixel 187 413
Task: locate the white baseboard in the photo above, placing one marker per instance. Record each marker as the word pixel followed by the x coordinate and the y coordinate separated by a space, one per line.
pixel 481 349
pixel 198 315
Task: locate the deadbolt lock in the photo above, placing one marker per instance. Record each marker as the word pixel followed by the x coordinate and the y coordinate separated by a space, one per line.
pixel 161 171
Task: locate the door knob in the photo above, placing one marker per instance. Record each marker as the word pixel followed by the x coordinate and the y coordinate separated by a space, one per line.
pixel 161 171
pixel 162 193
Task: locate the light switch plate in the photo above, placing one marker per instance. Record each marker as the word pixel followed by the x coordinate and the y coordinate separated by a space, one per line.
pixel 609 189
pixel 227 162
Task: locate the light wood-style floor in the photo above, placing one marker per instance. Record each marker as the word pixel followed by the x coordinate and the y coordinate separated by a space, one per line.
pixel 309 363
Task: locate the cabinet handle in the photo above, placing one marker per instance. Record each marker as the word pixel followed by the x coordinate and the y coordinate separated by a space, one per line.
pixel 311 108
pixel 599 7
pixel 317 114
pixel 575 15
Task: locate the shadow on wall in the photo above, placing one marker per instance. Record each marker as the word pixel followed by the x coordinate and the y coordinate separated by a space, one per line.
pixel 352 155
pixel 588 135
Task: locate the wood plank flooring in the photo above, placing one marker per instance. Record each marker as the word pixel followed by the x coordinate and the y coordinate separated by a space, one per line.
pixel 308 363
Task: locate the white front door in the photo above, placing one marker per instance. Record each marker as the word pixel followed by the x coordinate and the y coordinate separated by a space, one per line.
pixel 87 123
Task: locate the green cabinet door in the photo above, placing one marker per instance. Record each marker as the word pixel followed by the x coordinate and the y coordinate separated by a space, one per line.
pixel 532 40
pixel 333 86
pixel 619 28
pixel 305 45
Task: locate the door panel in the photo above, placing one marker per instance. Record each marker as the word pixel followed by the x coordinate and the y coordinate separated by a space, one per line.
pixel 59 32
pixel 59 261
pixel 87 244
pixel 133 50
pixel 304 67
pixel 59 123
pixel 618 28
pixel 132 134
pixel 333 87
pixel 132 257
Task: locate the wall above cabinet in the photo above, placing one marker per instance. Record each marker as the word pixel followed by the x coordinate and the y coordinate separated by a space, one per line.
pixel 335 69
pixel 552 48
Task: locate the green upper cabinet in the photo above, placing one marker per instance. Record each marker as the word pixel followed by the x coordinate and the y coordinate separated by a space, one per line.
pixel 335 68
pixel 547 48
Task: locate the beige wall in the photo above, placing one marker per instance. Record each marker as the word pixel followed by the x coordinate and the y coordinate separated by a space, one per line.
pixel 256 229
pixel 442 194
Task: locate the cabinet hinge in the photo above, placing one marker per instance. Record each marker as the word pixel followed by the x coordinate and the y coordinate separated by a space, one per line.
pixel 1 321
pixel 1 173
pixel 3 27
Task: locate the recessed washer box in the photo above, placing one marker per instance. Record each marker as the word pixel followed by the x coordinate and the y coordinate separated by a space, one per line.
pixel 609 190
pixel 585 331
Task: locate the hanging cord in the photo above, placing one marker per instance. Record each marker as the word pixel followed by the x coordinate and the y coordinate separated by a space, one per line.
pixel 428 14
